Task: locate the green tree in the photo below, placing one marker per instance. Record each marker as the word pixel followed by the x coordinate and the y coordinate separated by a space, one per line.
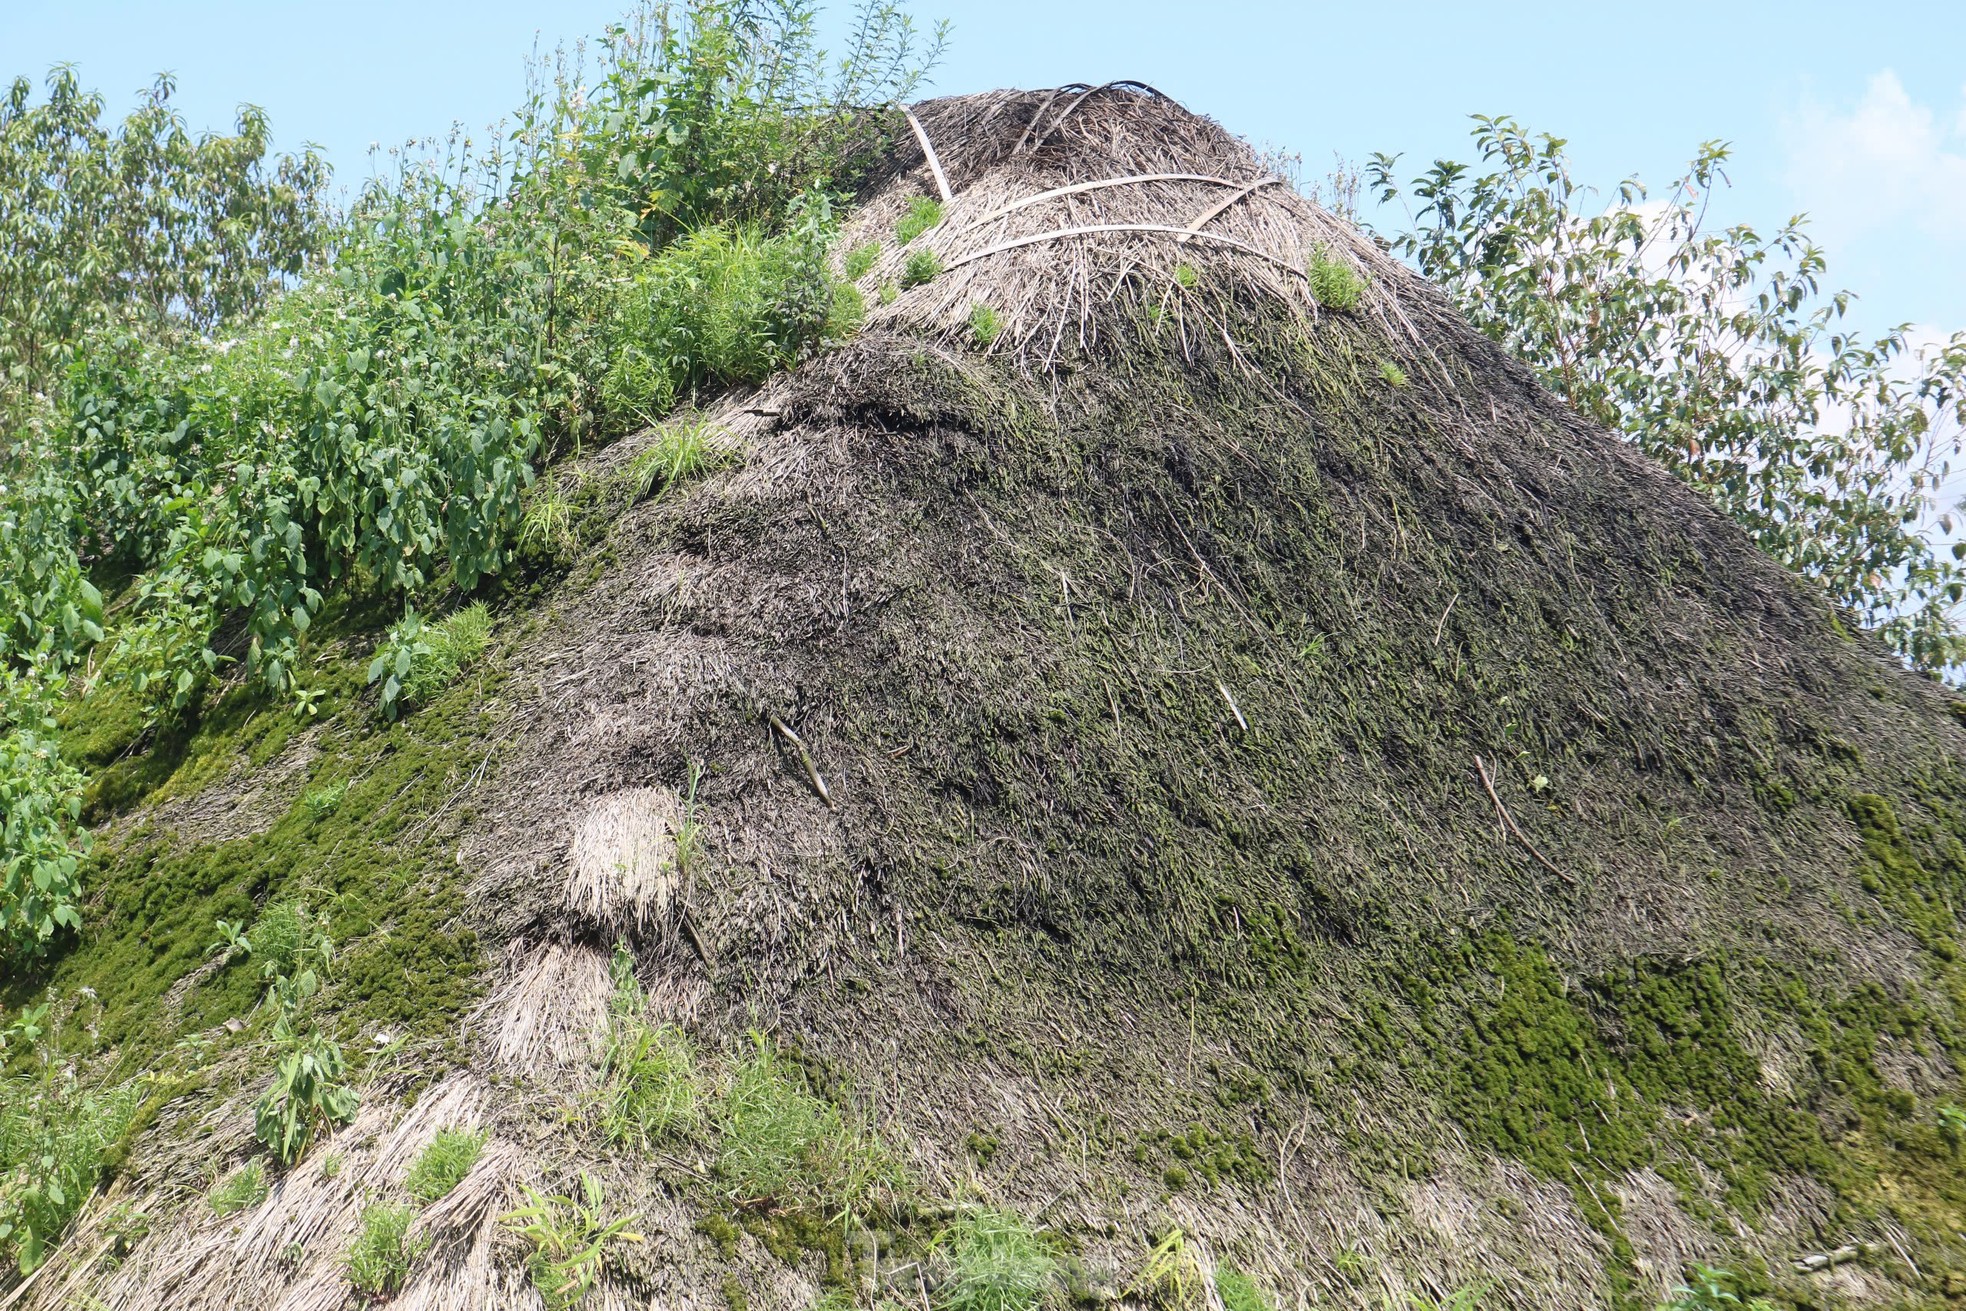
pixel 139 219
pixel 1719 354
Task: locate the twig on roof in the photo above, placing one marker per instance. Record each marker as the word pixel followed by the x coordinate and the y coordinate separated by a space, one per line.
pixel 1508 822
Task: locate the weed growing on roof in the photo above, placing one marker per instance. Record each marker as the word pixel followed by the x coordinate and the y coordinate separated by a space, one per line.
pixel 1238 1291
pixel 442 1165
pixel 984 325
pixel 1392 373
pixel 651 1090
pixel 379 1259
pixel 784 1147
pixel 923 213
pixel 680 451
pixel 322 802
pixel 994 1262
pixel 1186 275
pixel 922 267
pixel 1335 284
pixel 689 825
pixel 1173 1275
pixel 1711 1289
pixel 571 1240
pixel 241 1190
pixel 860 260
pixel 309 1094
pixel 722 307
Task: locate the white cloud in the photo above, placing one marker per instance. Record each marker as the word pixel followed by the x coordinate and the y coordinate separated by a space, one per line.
pixel 1888 162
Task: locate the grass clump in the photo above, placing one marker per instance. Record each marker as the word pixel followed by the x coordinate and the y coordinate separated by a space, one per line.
pixel 860 261
pixel 546 528
pixel 379 1260
pixel 1335 284
pixel 787 1148
pixel 922 267
pixel 651 1090
pixel 570 1238
pixel 924 212
pixel 1238 1291
pixel 241 1190
pixel 289 939
pixel 985 325
pixel 680 451
pixel 1186 276
pixel 1173 1275
pixel 442 1165
pixel 995 1262
pixel 1392 373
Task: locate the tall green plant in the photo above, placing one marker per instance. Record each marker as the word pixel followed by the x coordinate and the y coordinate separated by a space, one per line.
pixel 1718 353
pixel 716 111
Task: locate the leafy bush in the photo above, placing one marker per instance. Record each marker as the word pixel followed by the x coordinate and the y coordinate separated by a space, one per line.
pixel 923 213
pixel 139 221
pixel 57 1132
pixel 719 111
pixel 1335 284
pixel 379 1259
pixel 442 1165
pixel 994 1263
pixel 570 1240
pixel 41 838
pixel 241 1190
pixel 785 1147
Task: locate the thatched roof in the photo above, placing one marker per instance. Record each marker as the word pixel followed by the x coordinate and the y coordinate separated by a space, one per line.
pixel 1195 705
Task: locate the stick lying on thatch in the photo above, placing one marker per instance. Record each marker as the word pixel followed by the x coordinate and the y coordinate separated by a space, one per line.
pixel 1099 184
pixel 1508 822
pixel 805 758
pixel 934 164
pixel 1186 234
pixel 1208 215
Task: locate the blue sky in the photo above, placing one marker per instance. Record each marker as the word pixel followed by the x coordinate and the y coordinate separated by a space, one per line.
pixel 1856 114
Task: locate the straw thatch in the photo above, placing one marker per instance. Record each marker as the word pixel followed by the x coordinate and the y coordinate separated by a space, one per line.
pixel 1128 725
